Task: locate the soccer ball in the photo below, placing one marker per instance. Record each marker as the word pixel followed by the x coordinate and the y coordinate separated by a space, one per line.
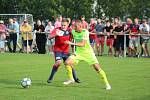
pixel 26 82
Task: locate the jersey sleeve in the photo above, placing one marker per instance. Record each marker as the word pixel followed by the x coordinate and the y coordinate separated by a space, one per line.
pixel 53 32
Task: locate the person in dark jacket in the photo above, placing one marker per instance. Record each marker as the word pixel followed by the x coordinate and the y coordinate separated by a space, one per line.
pixel 40 37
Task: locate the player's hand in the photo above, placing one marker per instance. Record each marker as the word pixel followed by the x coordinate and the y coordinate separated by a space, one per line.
pixel 58 32
pixel 67 42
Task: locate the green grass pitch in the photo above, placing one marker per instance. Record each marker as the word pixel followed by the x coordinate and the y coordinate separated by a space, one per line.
pixel 129 77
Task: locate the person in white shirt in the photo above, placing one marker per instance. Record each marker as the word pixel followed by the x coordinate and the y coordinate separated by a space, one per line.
pixel 144 29
pixel 48 29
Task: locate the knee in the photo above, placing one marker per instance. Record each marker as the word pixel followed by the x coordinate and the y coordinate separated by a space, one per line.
pixel 97 67
pixel 68 62
pixel 58 63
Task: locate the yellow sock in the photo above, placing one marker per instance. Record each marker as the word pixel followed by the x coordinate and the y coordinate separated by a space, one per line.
pixel 102 74
pixel 69 72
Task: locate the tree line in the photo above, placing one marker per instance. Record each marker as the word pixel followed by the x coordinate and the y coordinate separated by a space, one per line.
pixel 49 9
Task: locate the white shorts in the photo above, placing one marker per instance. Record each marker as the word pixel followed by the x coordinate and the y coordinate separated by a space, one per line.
pixel 2 44
pixel 51 42
pixel 133 42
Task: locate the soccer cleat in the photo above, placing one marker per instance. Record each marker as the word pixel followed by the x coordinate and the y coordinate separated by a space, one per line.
pixel 70 81
pixel 108 87
pixel 77 80
pixel 49 81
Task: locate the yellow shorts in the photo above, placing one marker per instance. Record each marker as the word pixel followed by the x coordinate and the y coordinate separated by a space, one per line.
pixel 89 58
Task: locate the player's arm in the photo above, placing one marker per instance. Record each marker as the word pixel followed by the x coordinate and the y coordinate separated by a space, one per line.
pixel 81 44
pixel 92 33
pixel 53 34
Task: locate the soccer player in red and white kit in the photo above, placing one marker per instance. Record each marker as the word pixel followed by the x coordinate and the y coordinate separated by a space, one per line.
pixel 61 50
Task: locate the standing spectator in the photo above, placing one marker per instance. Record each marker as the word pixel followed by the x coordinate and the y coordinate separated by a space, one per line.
pixel 110 38
pixel 129 23
pixel 58 21
pixel 17 28
pixel 26 30
pixel 92 35
pixel 72 24
pixel 144 29
pixel 40 37
pixel 99 28
pixel 126 31
pixel 12 36
pixel 115 24
pixel 118 31
pixel 84 23
pixel 3 31
pixel 48 29
pixel 133 43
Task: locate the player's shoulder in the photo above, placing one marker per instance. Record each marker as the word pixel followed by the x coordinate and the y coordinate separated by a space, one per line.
pixel 85 31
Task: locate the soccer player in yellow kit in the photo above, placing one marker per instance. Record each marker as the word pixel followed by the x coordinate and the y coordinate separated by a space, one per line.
pixel 84 52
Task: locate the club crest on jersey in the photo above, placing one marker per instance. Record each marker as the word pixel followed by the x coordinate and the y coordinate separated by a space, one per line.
pixel 61 33
pixel 67 32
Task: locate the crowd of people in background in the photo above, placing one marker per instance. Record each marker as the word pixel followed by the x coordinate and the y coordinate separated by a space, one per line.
pixel 111 32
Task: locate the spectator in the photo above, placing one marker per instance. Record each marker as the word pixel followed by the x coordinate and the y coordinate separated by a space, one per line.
pixel 58 22
pixel 92 35
pixel 133 42
pixel 110 38
pixel 115 24
pixel 99 28
pixel 118 31
pixel 48 29
pixel 26 30
pixel 84 23
pixel 3 32
pixel 144 29
pixel 12 36
pixel 129 23
pixel 16 24
pixel 40 37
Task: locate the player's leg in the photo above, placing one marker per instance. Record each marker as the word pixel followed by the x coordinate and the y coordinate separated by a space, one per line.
pixel 69 67
pixel 92 60
pixel 58 57
pixel 102 75
pixel 65 57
